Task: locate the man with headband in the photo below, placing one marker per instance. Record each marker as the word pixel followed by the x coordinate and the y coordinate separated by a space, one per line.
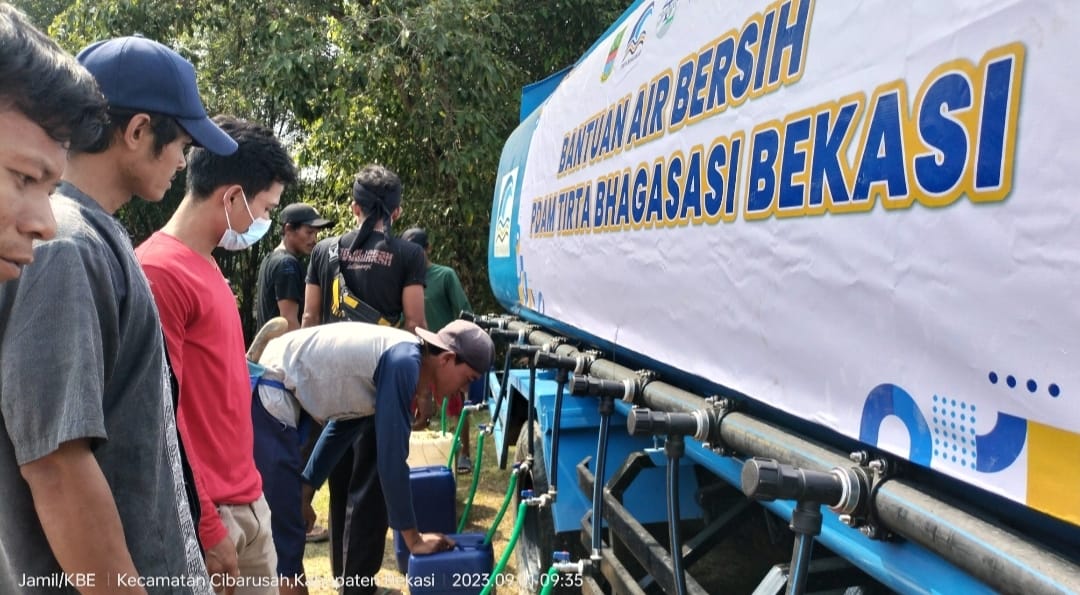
pixel 366 275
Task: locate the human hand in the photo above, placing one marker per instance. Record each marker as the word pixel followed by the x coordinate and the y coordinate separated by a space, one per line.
pixel 307 494
pixel 430 543
pixel 309 515
pixel 221 562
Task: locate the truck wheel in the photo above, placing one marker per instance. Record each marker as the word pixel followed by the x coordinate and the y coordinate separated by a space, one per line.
pixel 537 540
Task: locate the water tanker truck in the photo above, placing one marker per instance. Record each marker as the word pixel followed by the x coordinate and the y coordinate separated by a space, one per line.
pixel 793 286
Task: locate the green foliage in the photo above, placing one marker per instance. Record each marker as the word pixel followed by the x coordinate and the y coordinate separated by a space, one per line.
pixel 429 88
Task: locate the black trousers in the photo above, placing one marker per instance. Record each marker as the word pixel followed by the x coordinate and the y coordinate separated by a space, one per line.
pixel 358 519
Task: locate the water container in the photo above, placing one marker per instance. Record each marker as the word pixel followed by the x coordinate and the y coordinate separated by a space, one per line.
pixel 460 571
pixel 434 493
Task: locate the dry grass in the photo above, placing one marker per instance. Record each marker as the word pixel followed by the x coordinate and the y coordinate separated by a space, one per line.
pixel 488 499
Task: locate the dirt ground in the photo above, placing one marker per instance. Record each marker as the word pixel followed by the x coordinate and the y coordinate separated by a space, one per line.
pixel 488 499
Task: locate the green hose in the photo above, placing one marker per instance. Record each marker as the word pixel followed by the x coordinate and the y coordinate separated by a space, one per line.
pixel 475 478
pixel 502 509
pixel 454 444
pixel 518 524
pixel 442 418
pixel 549 582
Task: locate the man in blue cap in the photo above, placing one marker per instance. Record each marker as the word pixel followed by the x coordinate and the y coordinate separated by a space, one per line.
pixel 86 394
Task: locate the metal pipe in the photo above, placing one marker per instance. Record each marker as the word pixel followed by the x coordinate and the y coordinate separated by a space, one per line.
pixel 1003 559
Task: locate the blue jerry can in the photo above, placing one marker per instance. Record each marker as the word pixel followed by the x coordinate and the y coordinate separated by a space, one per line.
pixel 461 571
pixel 434 492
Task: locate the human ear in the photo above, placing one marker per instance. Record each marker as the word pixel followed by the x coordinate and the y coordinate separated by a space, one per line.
pixel 137 130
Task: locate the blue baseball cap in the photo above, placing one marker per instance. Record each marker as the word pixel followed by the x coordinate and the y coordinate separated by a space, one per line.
pixel 135 73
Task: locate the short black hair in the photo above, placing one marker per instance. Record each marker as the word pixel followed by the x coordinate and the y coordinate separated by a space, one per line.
pixel 259 161
pixel 165 130
pixel 47 85
pixel 416 235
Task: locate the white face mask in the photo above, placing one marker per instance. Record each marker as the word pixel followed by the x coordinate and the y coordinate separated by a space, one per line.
pixel 234 240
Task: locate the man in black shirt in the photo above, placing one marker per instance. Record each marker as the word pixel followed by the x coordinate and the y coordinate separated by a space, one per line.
pixel 366 275
pixel 281 274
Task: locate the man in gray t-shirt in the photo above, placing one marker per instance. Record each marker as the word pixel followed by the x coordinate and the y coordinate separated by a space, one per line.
pixel 82 358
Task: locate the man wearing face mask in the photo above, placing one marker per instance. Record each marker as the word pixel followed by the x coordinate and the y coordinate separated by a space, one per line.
pixel 227 205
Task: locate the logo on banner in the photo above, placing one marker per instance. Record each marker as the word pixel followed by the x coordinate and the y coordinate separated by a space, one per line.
pixel 507 190
pixel 637 37
pixel 609 66
pixel 666 16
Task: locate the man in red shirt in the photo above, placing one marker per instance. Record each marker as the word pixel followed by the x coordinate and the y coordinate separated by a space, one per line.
pixel 227 204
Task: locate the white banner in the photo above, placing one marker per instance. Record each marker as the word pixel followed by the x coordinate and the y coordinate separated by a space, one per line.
pixel 860 213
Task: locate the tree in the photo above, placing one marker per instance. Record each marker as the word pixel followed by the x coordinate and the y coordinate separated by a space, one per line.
pixel 429 88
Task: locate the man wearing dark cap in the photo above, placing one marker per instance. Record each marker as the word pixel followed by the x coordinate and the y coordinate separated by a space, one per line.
pixel 366 275
pixel 87 400
pixel 281 274
pixel 361 379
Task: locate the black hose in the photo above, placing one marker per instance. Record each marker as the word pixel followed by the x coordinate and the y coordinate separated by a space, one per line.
pixel 598 482
pixel 503 387
pixel 532 410
pixel 553 464
pixel 674 450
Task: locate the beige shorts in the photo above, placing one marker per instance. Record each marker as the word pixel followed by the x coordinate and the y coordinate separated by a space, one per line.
pixel 249 530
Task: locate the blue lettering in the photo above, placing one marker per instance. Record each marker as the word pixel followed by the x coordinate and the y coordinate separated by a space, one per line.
pixel 586 199
pixel 744 61
pixel 622 210
pixel 762 188
pixel 579 147
pixel 825 161
pixel 725 52
pixel 993 124
pixel 641 187
pixel 563 157
pixel 790 41
pixel 657 203
pixel 601 200
pixel 635 131
pixel 942 170
pixel 714 176
pixel 682 92
pixel 883 156
pixel 618 127
pixel 605 143
pixel 733 176
pixel 763 49
pixel 793 162
pixel 701 80
pixel 594 136
pixel 658 92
